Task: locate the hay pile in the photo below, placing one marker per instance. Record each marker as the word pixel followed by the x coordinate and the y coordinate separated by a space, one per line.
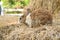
pixel 22 32
pixel 51 5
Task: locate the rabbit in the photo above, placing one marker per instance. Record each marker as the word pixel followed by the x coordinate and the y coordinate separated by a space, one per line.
pixel 37 17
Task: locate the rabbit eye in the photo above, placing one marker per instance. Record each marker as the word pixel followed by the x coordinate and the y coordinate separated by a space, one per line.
pixel 20 18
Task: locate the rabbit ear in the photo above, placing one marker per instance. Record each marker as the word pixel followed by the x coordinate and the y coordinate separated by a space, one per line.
pixel 28 11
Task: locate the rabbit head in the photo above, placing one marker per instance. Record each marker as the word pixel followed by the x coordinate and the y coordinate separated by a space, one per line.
pixel 25 16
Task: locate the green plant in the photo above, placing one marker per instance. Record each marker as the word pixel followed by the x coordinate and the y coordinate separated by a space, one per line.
pixel 14 3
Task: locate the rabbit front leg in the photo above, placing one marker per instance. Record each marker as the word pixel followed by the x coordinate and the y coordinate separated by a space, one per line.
pixel 28 20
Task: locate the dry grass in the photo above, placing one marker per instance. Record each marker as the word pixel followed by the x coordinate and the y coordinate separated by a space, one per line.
pixel 22 32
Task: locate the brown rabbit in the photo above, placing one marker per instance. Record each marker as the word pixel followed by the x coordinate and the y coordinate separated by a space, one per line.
pixel 37 17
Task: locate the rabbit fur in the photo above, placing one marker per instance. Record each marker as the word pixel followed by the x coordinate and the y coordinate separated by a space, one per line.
pixel 37 17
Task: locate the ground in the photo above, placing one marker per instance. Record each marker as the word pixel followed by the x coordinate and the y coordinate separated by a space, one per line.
pixel 8 20
pixel 11 30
